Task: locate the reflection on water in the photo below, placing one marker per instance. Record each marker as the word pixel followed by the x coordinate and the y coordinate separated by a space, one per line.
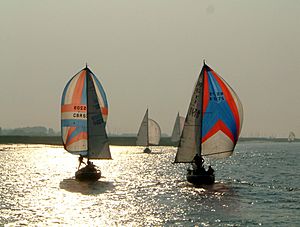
pixel 87 188
pixel 37 187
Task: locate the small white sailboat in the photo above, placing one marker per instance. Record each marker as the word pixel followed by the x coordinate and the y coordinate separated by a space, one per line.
pixel 177 129
pixel 291 137
pixel 149 133
pixel 212 125
pixel 84 110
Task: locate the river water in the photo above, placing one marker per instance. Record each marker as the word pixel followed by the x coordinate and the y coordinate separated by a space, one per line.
pixel 258 186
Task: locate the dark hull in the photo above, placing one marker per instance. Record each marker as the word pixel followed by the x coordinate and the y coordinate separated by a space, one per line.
pixel 201 179
pixel 147 150
pixel 88 174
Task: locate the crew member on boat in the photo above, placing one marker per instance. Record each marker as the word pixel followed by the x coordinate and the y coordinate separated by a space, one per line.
pixel 199 161
pixel 198 164
pixel 80 159
pixel 210 170
pixel 89 163
pixel 90 166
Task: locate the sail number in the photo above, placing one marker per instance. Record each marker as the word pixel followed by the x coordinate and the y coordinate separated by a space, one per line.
pixel 80 114
pixel 216 96
pixel 80 107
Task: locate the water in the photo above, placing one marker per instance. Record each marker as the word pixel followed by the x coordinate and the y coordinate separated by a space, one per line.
pixel 258 185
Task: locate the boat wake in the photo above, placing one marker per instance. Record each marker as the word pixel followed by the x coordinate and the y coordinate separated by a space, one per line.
pixel 262 185
pixel 216 188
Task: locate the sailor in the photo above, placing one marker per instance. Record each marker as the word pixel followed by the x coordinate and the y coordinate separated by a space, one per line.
pixel 199 161
pixel 210 171
pixel 198 167
pixel 89 163
pixel 80 159
pixel 90 166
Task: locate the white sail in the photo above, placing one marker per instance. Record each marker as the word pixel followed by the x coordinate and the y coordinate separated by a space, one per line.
pixel 153 132
pixel 292 137
pixel 142 136
pixel 98 147
pixel 177 129
pixel 189 145
pixel 149 132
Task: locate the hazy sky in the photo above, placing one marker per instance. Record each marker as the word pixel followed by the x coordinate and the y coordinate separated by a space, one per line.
pixel 149 54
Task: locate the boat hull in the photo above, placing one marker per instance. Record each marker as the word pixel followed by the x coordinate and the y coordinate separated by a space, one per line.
pixel 88 174
pixel 201 179
pixel 147 150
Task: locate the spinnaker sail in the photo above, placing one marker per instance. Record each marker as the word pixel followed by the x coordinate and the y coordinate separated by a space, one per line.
pixel 154 132
pixel 214 119
pixel 84 111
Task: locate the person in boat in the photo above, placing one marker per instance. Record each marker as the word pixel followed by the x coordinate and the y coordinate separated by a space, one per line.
pixel 210 170
pixel 199 161
pixel 198 167
pixel 90 165
pixel 80 159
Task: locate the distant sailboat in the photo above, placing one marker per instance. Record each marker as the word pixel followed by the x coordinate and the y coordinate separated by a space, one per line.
pixel 177 129
pixel 84 112
pixel 212 125
pixel 291 137
pixel 149 133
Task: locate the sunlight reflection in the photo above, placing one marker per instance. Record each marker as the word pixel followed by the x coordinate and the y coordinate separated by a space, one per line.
pixel 136 188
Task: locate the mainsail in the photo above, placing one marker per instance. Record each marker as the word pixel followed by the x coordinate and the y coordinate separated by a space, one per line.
pixel 149 132
pixel 84 112
pixel 177 129
pixel 214 119
pixel 142 136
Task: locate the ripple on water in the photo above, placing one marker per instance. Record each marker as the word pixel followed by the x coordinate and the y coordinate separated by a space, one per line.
pixel 37 187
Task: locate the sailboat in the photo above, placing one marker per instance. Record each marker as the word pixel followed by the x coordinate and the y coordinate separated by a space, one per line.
pixel 84 111
pixel 177 129
pixel 291 137
pixel 148 134
pixel 212 125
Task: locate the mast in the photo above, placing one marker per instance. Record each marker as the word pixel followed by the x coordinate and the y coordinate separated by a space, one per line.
pixel 147 129
pixel 201 109
pixel 87 110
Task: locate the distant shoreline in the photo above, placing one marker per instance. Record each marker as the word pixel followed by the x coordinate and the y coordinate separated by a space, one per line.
pixel 56 140
pixel 113 140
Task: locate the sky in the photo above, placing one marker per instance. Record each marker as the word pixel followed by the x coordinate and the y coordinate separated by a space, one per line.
pixel 148 54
